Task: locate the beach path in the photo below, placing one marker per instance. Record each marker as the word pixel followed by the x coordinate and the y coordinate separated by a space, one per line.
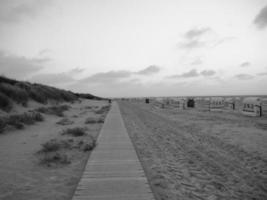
pixel 113 170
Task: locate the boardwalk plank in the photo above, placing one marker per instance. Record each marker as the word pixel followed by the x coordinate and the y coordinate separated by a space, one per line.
pixel 113 170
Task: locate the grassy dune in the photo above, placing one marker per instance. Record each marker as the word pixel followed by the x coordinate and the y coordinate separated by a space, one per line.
pixel 20 92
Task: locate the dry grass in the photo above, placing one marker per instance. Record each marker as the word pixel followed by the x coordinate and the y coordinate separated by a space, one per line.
pixel 76 132
pixel 65 121
pixel 103 110
pixel 56 152
pixel 54 110
pixel 54 158
pixel 55 145
pixel 15 93
pixel 18 121
pixel 93 120
pixel 51 153
pixel 5 103
pixel 90 145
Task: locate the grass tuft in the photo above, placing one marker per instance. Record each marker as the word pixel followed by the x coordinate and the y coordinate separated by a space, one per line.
pixel 5 103
pixel 92 120
pixel 19 95
pixel 19 120
pixel 76 132
pixel 54 158
pixel 103 110
pixel 90 145
pixel 55 145
pixel 65 121
pixel 54 110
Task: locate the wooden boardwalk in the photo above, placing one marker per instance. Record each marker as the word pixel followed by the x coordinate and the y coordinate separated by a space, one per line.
pixel 113 171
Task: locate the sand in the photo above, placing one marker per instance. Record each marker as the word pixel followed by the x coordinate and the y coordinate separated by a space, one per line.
pixel 189 154
pixel 21 174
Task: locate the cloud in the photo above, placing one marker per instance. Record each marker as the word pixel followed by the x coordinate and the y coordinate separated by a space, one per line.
pixel 18 67
pixel 116 76
pixel 261 19
pixel 196 32
pixel 76 70
pixel 53 79
pixel 111 76
pixel 192 38
pixel 41 60
pixel 194 73
pixel 244 76
pixel 208 72
pixel 149 70
pixel 245 64
pixel 224 40
pixel 191 44
pixel 262 74
pixel 197 61
pixel 14 11
pixel 189 74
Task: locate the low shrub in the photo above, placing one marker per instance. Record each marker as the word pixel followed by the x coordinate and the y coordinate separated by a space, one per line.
pixel 25 118
pixel 89 146
pixel 54 158
pixel 21 92
pixel 89 107
pixel 54 110
pixel 5 103
pixel 19 120
pixel 55 145
pixel 4 79
pixel 38 95
pixel 15 93
pixel 65 121
pixel 103 110
pixel 52 145
pixel 76 132
pixel 92 120
pixel 2 125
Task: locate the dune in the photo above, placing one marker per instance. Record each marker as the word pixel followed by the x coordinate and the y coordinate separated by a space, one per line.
pixel 42 156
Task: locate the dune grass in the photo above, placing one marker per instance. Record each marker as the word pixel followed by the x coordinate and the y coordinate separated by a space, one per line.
pixel 76 132
pixel 93 120
pixel 103 110
pixel 65 121
pixel 56 152
pixel 54 110
pixel 15 93
pixel 5 103
pixel 21 92
pixel 18 121
pixel 55 145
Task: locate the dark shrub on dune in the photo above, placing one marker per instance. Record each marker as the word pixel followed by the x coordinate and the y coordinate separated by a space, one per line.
pixel 5 103
pixel 103 110
pixel 76 132
pixel 19 120
pixel 2 125
pixel 54 158
pixel 21 92
pixel 54 110
pixel 55 145
pixel 14 92
pixel 93 120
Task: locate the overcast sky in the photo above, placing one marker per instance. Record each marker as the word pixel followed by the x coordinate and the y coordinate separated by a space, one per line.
pixel 118 48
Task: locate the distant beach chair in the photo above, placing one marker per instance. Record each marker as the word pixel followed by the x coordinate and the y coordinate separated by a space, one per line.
pixel 251 106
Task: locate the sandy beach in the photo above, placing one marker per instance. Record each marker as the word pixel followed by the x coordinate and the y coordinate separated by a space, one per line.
pixel 190 154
